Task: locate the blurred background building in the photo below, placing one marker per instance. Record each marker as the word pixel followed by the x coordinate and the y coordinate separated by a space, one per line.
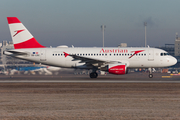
pixel 10 62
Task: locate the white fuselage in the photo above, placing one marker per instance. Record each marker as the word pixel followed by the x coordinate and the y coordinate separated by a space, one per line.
pixel 145 58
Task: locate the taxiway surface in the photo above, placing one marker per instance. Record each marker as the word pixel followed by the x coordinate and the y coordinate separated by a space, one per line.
pixel 70 78
pixel 62 97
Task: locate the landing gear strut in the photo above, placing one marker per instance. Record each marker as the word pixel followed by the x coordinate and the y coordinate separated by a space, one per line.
pixel 93 75
pixel 150 73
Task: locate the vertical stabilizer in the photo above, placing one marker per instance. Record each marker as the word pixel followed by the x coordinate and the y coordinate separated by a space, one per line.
pixel 21 37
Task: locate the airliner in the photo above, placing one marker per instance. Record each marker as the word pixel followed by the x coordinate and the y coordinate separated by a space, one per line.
pixel 114 60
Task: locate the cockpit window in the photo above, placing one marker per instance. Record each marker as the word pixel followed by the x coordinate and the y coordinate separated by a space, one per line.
pixel 164 54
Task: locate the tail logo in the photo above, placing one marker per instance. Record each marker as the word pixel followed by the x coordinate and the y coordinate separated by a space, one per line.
pixel 17 32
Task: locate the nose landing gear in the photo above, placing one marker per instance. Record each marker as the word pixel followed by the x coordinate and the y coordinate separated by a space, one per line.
pixel 150 73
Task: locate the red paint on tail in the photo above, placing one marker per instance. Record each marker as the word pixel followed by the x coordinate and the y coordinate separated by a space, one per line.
pixel 12 20
pixel 17 31
pixel 32 43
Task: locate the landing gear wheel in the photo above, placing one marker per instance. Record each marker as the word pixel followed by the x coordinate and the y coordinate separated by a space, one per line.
pixel 150 75
pixel 93 75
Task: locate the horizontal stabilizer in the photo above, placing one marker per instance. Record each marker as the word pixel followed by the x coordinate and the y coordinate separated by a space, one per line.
pixel 15 52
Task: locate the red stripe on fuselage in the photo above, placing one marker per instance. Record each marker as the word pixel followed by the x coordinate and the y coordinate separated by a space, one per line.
pixel 12 20
pixel 32 43
pixel 136 52
pixel 66 54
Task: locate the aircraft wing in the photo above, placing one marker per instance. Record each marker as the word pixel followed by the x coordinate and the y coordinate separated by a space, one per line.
pixel 86 59
pixel 90 60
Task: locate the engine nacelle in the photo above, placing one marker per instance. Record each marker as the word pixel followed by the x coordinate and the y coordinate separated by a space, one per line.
pixel 118 69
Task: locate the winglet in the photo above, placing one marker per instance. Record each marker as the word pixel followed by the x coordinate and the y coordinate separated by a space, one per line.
pixel 66 54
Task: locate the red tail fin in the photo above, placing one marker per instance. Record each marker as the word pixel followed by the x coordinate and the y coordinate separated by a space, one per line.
pixel 21 37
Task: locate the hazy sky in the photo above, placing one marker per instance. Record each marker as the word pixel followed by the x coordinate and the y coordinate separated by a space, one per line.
pixel 77 22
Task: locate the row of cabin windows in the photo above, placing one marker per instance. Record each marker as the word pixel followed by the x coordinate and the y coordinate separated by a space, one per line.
pixel 101 54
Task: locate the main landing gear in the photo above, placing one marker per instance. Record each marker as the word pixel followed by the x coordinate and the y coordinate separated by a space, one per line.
pixel 93 75
pixel 150 73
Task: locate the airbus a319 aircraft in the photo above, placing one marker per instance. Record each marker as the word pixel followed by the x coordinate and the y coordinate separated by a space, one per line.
pixel 114 60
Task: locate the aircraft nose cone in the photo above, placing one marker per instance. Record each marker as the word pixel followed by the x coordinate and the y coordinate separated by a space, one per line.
pixel 173 61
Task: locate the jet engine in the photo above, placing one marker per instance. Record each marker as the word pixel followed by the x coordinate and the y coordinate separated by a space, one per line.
pixel 118 69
